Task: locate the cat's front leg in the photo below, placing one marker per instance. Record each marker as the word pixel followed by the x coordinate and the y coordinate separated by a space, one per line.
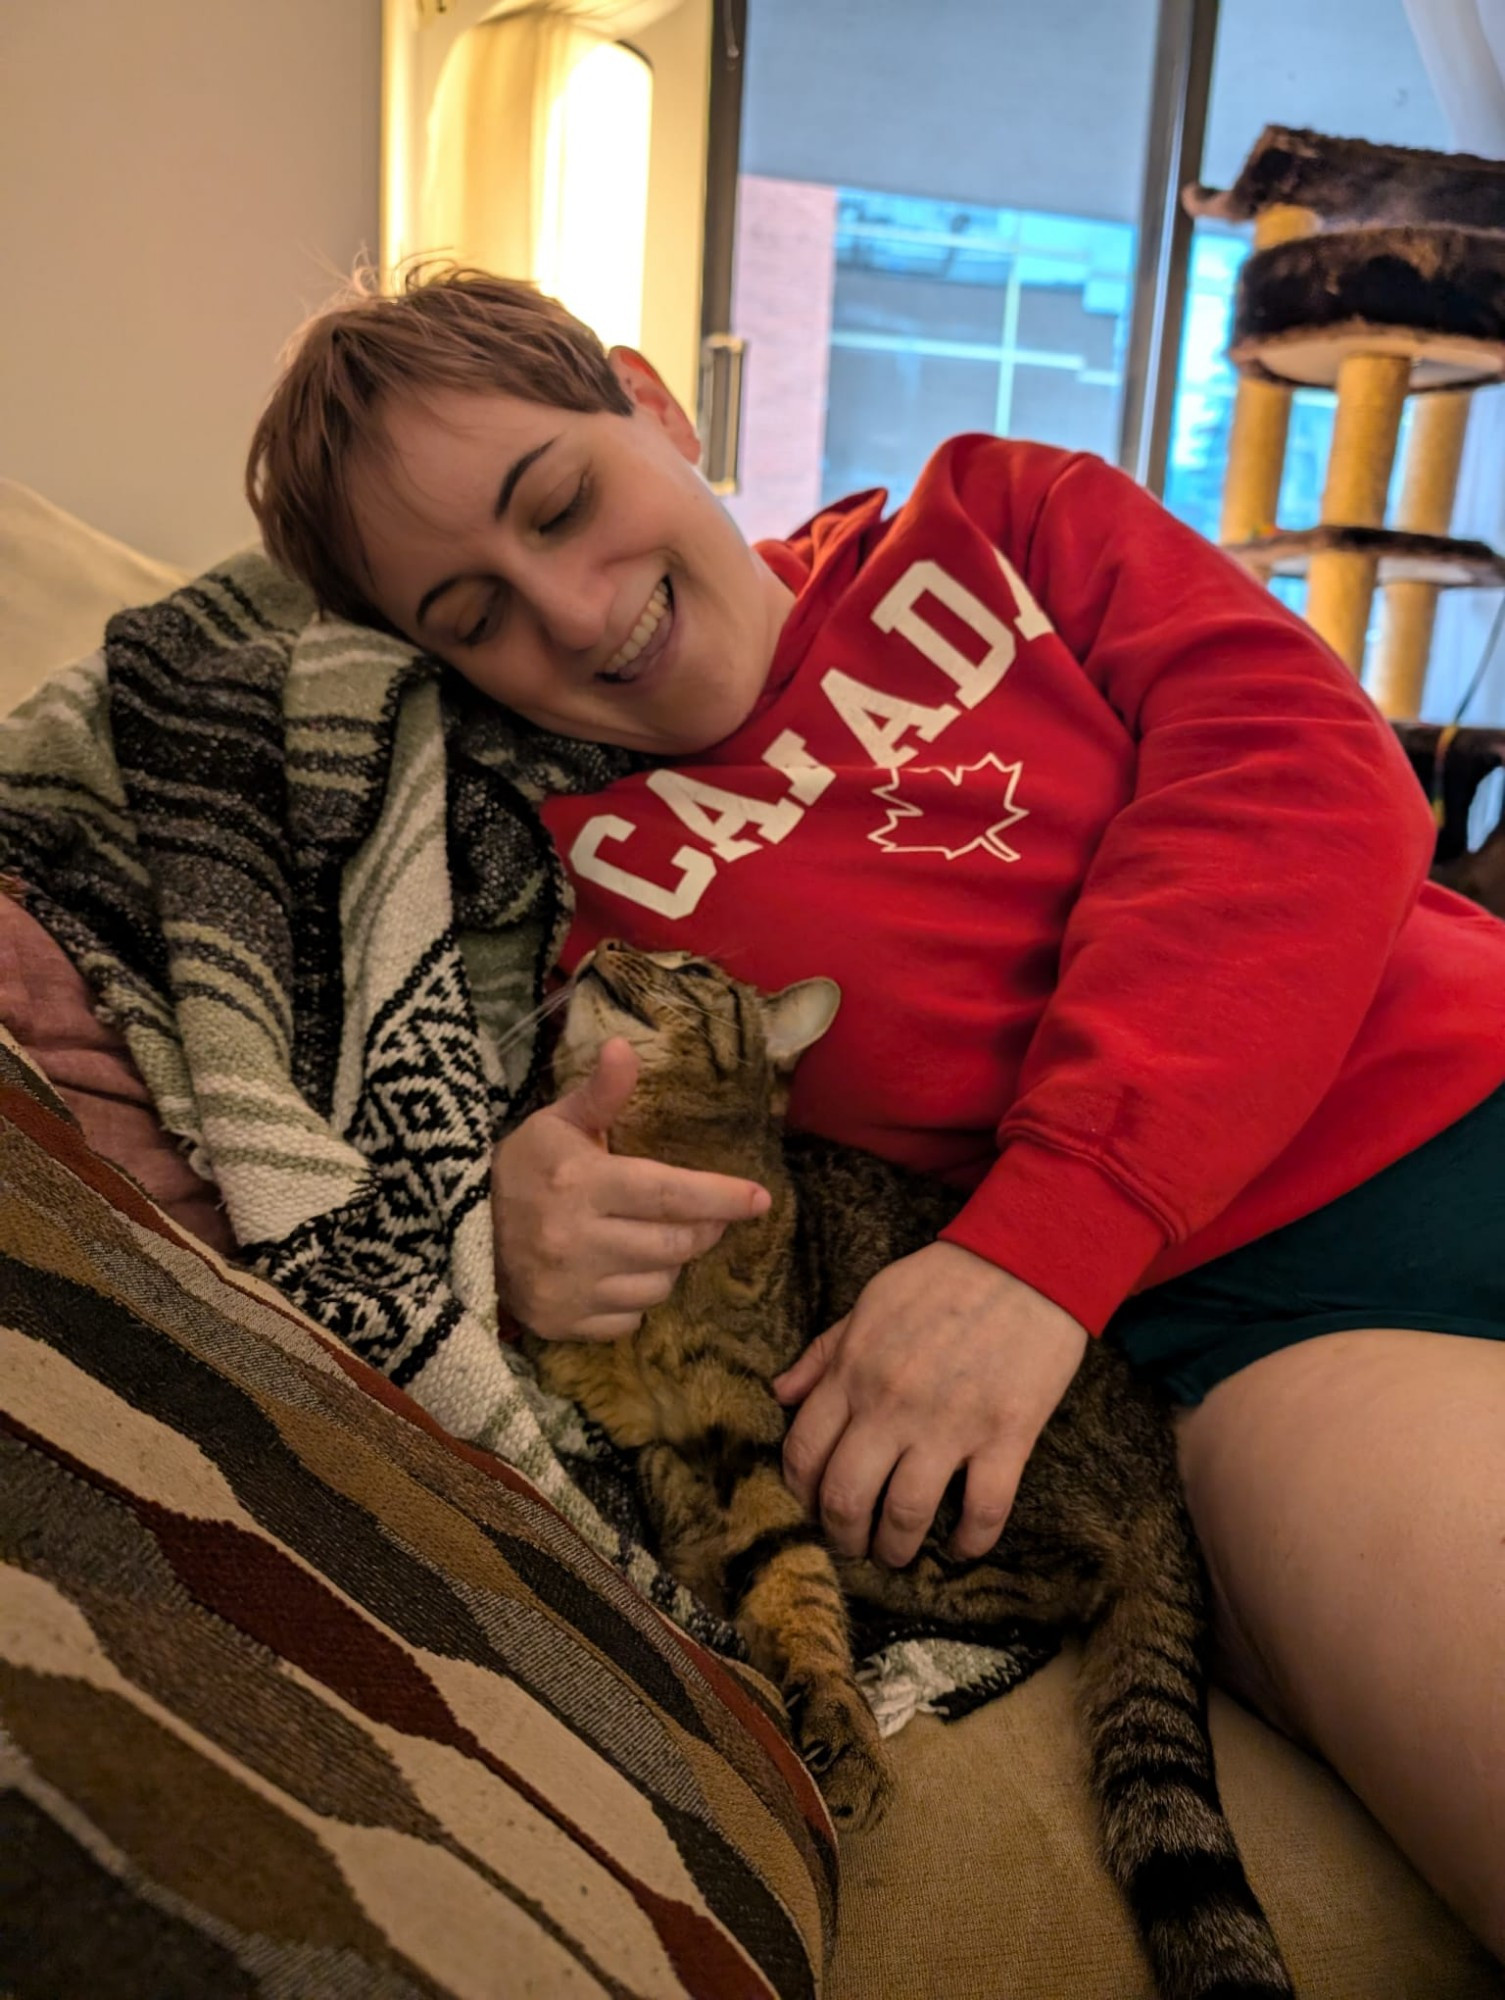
pixel 731 1529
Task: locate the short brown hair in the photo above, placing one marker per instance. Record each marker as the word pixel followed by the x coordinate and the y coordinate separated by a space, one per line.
pixel 444 327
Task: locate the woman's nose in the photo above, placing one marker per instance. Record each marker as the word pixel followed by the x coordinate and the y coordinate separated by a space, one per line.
pixel 572 602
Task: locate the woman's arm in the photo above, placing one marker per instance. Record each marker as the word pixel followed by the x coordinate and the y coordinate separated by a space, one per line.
pixel 1229 937
pixel 1235 922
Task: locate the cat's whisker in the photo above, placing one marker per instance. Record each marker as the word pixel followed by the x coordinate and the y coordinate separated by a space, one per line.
pixel 529 1022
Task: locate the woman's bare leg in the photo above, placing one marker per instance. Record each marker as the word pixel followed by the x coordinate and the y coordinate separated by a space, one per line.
pixel 1350 1497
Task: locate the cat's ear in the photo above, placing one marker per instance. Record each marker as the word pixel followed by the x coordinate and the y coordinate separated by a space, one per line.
pixel 798 1016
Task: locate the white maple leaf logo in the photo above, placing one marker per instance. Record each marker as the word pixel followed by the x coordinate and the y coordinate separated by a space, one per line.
pixel 898 834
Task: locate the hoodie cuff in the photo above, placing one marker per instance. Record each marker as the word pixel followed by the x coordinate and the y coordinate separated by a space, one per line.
pixel 1060 1225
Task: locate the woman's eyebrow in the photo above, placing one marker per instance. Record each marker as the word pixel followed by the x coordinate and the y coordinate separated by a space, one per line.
pixel 508 487
pixel 515 473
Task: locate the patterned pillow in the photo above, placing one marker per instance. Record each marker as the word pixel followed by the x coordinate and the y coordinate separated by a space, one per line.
pixel 301 1696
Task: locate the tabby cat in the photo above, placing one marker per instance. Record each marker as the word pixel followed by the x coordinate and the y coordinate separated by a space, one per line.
pixel 1098 1540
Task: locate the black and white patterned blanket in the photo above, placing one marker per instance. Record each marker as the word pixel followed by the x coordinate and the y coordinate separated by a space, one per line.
pixel 300 865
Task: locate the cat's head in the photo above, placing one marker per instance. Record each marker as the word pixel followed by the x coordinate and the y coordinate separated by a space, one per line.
pixel 704 1040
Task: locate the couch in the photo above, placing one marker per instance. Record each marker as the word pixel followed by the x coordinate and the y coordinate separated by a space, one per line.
pixel 301 1695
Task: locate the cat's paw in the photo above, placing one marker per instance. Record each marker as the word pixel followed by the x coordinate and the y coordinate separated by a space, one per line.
pixel 836 1735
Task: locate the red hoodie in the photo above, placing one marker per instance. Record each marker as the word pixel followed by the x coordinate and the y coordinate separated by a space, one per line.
pixel 1121 874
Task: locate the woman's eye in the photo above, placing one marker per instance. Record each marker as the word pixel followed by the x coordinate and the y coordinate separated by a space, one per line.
pixel 477 632
pixel 567 513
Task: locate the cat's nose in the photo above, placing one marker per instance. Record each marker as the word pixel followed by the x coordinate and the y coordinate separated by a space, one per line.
pixel 609 948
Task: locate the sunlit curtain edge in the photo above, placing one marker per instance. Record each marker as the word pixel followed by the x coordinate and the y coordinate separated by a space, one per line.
pixel 536 163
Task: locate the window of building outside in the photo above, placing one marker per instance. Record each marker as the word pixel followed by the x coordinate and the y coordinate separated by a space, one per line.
pixel 937 227
pixel 936 233
pixel 949 316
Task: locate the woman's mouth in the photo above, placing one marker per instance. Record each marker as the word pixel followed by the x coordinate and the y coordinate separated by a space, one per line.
pixel 646 640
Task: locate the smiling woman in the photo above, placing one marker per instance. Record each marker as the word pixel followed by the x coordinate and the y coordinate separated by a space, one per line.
pixel 526 507
pixel 572 565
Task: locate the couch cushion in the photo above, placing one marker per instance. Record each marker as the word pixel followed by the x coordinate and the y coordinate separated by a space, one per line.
pixel 984 1878
pixel 60 581
pixel 300 1695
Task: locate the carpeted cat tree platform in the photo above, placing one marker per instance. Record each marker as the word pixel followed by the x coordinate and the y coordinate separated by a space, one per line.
pixel 1379 272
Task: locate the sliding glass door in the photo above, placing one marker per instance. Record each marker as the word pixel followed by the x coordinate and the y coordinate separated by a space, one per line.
pixel 937 211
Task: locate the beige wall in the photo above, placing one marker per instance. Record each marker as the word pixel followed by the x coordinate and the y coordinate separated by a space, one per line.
pixel 180 181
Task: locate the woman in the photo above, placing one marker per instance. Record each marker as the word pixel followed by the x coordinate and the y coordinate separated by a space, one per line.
pixel 1124 881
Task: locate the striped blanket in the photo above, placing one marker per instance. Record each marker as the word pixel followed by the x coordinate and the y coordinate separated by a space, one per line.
pixel 300 865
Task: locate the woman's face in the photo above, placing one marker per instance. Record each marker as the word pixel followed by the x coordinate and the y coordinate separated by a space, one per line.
pixel 573 566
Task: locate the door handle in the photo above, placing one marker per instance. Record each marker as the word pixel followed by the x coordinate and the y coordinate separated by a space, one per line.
pixel 721 359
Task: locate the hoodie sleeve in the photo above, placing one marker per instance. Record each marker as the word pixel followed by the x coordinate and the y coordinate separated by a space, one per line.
pixel 1236 920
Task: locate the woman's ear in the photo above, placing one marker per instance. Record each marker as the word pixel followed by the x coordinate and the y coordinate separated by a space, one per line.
pixel 652 398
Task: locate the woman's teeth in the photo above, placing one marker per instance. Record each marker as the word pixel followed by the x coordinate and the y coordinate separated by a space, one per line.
pixel 618 667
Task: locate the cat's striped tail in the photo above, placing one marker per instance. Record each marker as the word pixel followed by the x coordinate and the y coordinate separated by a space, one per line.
pixel 1166 1840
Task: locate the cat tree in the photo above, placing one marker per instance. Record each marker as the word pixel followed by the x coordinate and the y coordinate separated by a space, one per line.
pixel 1378 272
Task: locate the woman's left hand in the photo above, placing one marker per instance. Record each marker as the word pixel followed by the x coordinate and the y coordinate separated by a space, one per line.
pixel 945 1361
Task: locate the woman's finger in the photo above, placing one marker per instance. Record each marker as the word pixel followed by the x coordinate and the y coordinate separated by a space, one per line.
pixel 595 1104
pixel 631 1291
pixel 914 1492
pixel 811 1439
pixel 853 1479
pixel 605 1326
pixel 796 1382
pixel 992 1482
pixel 618 1247
pixel 636 1190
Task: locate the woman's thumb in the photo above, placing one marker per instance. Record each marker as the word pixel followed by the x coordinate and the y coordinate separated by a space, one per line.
pixel 594 1106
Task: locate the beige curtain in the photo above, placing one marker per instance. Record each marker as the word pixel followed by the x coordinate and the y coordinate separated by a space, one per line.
pixel 486 159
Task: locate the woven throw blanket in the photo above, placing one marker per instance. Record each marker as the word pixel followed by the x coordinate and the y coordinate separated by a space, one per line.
pixel 300 864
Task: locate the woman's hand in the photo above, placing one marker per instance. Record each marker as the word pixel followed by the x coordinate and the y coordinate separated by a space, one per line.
pixel 945 1361
pixel 587 1240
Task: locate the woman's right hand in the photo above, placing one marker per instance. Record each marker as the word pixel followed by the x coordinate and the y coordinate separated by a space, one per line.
pixel 587 1240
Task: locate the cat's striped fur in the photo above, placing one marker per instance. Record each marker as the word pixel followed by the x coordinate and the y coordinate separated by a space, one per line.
pixel 1098 1540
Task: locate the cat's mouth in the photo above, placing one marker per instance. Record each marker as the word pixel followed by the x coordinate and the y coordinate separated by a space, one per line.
pixel 600 970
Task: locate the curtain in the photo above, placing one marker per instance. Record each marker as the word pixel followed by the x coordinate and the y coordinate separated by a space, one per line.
pixel 486 163
pixel 495 181
pixel 1462 45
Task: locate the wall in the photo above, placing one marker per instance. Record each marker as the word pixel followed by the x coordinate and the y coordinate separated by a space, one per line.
pixel 180 183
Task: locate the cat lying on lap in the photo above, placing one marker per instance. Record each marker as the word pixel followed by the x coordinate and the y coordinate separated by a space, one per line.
pixel 1098 1540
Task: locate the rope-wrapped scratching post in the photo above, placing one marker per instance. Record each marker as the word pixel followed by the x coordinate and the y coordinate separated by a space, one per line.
pixel 1430 482
pixel 1261 414
pixel 1340 583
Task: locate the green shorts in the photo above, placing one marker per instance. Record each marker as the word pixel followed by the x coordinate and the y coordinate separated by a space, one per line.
pixel 1421 1244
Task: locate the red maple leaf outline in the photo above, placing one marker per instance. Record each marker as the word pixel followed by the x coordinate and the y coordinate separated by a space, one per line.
pixel 902 809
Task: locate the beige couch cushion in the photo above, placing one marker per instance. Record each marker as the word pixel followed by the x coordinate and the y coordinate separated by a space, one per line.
pixel 60 580
pixel 984 1879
